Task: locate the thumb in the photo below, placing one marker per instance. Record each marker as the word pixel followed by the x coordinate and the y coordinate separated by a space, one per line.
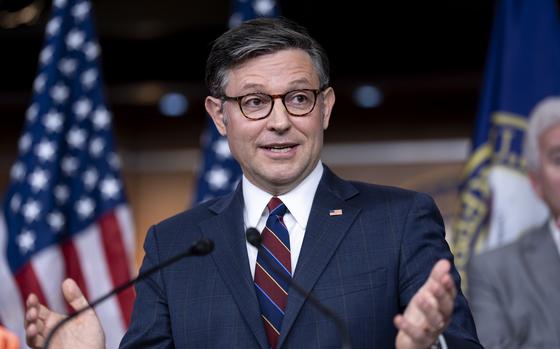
pixel 73 294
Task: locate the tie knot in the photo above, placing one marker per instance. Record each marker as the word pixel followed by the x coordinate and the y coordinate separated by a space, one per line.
pixel 276 206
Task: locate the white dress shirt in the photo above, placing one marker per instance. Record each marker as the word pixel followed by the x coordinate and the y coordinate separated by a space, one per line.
pixel 298 202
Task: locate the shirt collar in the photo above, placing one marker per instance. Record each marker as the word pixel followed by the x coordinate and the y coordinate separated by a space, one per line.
pixel 298 200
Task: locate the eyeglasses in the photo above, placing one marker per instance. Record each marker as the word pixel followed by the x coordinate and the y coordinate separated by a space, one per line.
pixel 257 106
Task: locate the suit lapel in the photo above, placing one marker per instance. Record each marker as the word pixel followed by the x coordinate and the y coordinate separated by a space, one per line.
pixel 323 234
pixel 540 258
pixel 227 231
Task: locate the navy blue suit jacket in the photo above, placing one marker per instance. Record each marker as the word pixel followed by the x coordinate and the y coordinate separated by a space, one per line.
pixel 365 264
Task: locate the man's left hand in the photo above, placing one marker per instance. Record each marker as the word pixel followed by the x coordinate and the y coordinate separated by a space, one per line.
pixel 429 311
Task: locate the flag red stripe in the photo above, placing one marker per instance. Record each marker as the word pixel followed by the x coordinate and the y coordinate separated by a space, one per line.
pixel 28 283
pixel 73 268
pixel 117 262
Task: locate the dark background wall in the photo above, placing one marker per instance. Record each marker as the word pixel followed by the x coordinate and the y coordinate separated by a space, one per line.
pixel 426 56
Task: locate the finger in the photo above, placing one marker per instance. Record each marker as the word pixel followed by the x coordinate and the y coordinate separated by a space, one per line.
pixel 416 333
pixel 434 320
pixel 30 311
pixel 36 318
pixel 445 293
pixel 31 315
pixel 43 312
pixel 441 303
pixel 35 309
pixel 33 336
pixel 442 285
pixel 437 290
pixel 441 268
pixel 438 282
pixel 32 300
pixel 73 294
pixel 446 305
pixel 33 328
pixel 449 285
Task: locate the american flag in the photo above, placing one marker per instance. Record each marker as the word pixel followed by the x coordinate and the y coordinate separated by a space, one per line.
pixel 65 213
pixel 220 172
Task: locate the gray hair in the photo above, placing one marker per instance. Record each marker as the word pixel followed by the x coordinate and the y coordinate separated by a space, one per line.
pixel 256 38
pixel 545 115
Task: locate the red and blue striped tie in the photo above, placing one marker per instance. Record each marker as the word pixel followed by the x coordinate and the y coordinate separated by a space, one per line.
pixel 272 288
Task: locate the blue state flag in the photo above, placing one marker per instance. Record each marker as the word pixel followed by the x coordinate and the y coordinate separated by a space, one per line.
pixel 523 67
pixel 220 172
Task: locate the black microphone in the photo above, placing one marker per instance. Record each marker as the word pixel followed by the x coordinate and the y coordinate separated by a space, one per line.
pixel 199 248
pixel 254 238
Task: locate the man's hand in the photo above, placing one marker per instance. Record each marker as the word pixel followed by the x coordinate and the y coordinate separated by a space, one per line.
pixel 84 331
pixel 429 311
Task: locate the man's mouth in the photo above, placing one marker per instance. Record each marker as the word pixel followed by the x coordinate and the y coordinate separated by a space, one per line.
pixel 279 148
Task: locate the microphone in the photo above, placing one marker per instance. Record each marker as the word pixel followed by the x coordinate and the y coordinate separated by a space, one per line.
pixel 201 247
pixel 254 238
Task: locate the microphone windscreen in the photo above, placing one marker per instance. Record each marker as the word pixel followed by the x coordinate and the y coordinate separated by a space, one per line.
pixel 254 237
pixel 202 247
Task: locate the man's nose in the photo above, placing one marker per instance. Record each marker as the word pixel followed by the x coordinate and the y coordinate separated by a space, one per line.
pixel 279 118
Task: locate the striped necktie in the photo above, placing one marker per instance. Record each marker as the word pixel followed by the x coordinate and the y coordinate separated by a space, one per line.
pixel 272 288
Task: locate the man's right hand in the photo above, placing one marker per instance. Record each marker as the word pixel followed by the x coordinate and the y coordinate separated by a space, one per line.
pixel 84 331
pixel 429 311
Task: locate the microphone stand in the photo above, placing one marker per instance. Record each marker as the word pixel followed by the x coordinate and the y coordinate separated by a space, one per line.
pixel 255 239
pixel 200 248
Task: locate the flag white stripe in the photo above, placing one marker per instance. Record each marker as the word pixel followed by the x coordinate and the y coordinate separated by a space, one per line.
pixel 11 305
pixel 124 219
pixel 48 266
pixel 98 282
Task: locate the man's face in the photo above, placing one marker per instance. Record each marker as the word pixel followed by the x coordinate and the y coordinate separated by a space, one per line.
pixel 279 151
pixel 546 180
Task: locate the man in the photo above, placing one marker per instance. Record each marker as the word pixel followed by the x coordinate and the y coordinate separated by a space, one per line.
pixel 513 290
pixel 365 251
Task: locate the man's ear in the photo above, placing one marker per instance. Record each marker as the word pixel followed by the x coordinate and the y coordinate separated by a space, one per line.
pixel 328 103
pixel 215 108
pixel 535 179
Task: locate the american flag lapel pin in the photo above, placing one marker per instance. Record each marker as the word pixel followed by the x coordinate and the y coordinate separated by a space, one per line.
pixel 337 212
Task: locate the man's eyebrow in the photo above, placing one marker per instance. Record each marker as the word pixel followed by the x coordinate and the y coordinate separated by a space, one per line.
pixel 257 87
pixel 299 82
pixel 252 86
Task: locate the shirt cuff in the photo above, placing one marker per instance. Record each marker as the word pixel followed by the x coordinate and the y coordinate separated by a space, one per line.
pixel 440 343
